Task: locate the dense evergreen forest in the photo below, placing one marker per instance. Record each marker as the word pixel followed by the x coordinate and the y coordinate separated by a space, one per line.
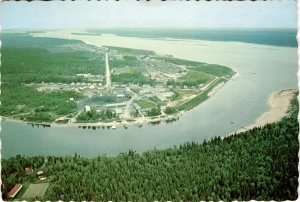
pixel 260 164
pixel 26 59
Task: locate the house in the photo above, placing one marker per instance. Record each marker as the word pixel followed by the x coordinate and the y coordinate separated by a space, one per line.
pixel 119 111
pixel 39 173
pixel 120 95
pixel 87 108
pixel 14 190
pixel 136 106
pixel 42 178
pixel 28 170
pixel 121 104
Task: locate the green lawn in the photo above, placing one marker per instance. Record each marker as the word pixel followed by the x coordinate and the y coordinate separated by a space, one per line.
pixel 193 102
pixel 194 78
pixel 145 104
pixel 128 51
pixel 215 70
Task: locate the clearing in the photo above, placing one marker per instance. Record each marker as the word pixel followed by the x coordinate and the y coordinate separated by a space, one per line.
pixel 35 190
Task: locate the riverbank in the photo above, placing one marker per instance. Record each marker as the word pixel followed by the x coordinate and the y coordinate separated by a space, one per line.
pixel 113 124
pixel 279 103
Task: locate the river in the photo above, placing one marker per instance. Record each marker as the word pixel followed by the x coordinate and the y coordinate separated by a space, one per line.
pixel 261 70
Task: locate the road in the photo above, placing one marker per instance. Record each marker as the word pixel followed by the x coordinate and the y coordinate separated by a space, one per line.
pixel 126 114
pixel 108 79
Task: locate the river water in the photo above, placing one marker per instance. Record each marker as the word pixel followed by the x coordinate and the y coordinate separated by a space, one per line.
pixel 261 70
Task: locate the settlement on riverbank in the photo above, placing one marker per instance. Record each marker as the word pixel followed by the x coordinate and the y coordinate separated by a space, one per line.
pixel 167 86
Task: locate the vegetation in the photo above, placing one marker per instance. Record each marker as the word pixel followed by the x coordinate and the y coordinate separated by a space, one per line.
pixel 144 104
pixel 94 115
pixel 260 164
pixel 27 59
pixel 193 102
pixel 154 112
pixel 170 110
pixel 212 69
pixel 130 51
pixel 126 61
pixel 192 78
pixel 133 77
pixel 178 61
pixel 32 105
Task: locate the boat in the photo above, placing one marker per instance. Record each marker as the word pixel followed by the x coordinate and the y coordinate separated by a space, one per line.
pixel 114 127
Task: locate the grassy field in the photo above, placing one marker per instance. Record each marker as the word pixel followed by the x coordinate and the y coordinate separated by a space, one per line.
pixel 194 78
pixel 186 92
pixel 130 51
pixel 213 69
pixel 178 61
pixel 132 77
pixel 215 83
pixel 35 190
pixel 145 104
pixel 193 102
pixel 201 97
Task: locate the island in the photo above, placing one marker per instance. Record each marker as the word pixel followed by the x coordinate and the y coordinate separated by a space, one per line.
pixel 59 81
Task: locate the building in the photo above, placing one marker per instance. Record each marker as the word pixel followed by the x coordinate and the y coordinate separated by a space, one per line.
pixel 118 111
pixel 39 173
pixel 161 97
pixel 136 106
pixel 28 170
pixel 120 95
pixel 121 104
pixel 87 108
pixel 14 190
pixel 72 99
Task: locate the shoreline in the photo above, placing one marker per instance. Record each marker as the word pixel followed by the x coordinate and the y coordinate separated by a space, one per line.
pixel 125 123
pixel 279 102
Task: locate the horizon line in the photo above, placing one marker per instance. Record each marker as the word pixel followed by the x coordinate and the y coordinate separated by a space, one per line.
pixel 164 28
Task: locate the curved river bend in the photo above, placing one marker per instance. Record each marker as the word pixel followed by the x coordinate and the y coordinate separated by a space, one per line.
pixel 261 70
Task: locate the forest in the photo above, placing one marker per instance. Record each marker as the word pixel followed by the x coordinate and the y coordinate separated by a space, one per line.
pixel 26 59
pixel 259 164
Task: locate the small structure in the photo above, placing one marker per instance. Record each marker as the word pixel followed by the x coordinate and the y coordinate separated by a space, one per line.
pixel 39 173
pixel 72 99
pixel 87 108
pixel 119 111
pixel 120 95
pixel 15 190
pixel 136 106
pixel 28 170
pixel 42 177
pixel 121 104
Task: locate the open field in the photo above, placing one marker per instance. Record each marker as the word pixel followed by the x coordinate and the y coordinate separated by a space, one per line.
pixel 144 103
pixel 35 190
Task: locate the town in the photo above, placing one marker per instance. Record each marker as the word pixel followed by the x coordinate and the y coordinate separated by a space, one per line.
pixel 138 87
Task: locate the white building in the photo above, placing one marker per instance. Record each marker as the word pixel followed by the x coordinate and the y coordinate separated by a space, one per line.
pixel 87 108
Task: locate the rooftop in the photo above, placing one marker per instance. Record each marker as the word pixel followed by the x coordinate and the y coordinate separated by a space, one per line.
pixel 14 190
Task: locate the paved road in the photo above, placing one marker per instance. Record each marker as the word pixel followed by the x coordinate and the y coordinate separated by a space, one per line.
pixel 126 114
pixel 108 79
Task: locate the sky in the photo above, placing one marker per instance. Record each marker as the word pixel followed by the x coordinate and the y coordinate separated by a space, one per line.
pixel 153 14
